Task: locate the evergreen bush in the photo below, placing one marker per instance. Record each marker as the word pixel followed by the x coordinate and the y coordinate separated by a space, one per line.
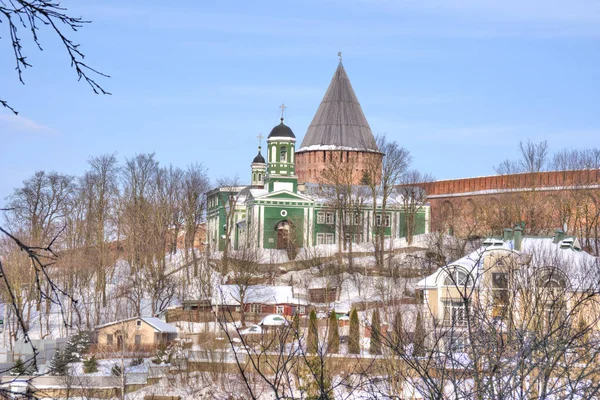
pixel 419 337
pixel 90 365
pixel 312 344
pixel 116 370
pixel 398 333
pixel 59 365
pixel 375 346
pixel 136 361
pixel 333 335
pixel 354 335
pixel 21 368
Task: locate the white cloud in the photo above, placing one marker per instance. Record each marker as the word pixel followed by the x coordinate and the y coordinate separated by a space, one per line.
pixel 11 125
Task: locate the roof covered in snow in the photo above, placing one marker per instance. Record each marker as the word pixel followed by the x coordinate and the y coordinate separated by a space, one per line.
pixel 339 120
pixel 257 294
pixel 273 320
pixel 158 324
pixel 540 252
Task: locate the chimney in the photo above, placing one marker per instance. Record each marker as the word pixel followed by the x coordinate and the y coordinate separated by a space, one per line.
pixel 559 234
pixel 507 234
pixel 518 237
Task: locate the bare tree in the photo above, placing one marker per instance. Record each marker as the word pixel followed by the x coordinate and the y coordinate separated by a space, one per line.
pixel 534 158
pixel 346 200
pixel 244 271
pixel 413 199
pixel 382 181
pixel 195 186
pixel 36 14
pixel 231 193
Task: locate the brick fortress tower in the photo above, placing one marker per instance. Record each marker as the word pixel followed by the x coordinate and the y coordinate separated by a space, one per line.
pixel 339 132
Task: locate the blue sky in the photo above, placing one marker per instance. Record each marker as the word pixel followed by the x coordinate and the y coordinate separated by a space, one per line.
pixel 458 83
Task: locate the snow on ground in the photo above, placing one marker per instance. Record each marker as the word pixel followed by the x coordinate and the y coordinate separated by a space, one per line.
pixel 354 288
pixel 105 366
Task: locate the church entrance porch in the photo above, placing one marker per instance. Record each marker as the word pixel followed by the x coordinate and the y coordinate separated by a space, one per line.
pixel 283 235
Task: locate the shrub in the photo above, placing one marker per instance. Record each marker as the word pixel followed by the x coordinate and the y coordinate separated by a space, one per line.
pixel 354 335
pixel 312 344
pixel 21 368
pixel 116 370
pixel 59 365
pixel 375 346
pixel 90 365
pixel 333 335
pixel 136 361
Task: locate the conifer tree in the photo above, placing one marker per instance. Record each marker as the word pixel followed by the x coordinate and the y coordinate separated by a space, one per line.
pixel 296 324
pixel 375 346
pixel 20 368
pixel 116 370
pixel 333 335
pixel 398 333
pixel 419 337
pixel 90 365
pixel 59 365
pixel 354 336
pixel 312 344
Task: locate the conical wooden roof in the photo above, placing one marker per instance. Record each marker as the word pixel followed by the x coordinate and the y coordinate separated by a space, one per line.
pixel 339 121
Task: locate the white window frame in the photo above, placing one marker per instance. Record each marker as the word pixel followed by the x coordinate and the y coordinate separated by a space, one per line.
pixel 301 309
pixel 320 238
pixel 329 218
pixel 456 342
pixel 283 154
pixel 280 310
pixel 357 238
pixel 320 217
pixel 458 277
pixel 454 313
pixel 329 238
pixel 256 308
pixel 386 220
pixel 138 324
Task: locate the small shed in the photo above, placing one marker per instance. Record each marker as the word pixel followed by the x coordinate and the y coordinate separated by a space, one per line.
pixel 135 333
pixel 259 299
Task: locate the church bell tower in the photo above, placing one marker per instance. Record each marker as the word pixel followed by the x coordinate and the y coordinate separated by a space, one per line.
pixel 281 154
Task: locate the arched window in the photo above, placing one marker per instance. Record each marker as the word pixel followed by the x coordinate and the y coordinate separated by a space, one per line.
pixel 458 277
pixel 283 154
pixel 260 177
pixel 552 278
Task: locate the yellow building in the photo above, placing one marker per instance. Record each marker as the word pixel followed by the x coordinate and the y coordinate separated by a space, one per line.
pixel 510 284
pixel 135 333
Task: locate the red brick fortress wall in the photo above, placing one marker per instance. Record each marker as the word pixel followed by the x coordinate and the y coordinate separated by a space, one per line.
pixel 544 201
pixel 541 180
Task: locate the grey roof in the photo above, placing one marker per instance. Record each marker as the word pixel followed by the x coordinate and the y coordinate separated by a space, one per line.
pixel 282 130
pixel 158 324
pixel 339 121
pixel 259 159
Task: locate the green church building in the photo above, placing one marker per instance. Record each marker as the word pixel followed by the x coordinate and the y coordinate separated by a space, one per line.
pixel 279 210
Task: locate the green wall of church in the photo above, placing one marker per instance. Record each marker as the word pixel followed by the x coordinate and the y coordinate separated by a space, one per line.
pixel 295 216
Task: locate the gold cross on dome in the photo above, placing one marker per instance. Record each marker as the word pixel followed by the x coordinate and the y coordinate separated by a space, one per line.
pixel 340 55
pixel 260 138
pixel 283 107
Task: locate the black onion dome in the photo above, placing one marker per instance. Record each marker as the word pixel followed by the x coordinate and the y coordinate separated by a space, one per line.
pixel 282 130
pixel 259 159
